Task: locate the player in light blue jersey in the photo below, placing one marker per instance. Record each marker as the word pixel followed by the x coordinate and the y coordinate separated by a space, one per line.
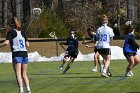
pixel 130 50
pixel 18 42
pixel 104 34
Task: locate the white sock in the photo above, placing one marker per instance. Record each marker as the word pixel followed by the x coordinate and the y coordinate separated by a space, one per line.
pixel 21 89
pixel 102 65
pixel 104 70
pixel 28 89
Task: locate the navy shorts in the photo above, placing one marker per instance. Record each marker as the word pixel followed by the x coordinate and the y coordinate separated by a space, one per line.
pixel 129 54
pixel 73 53
pixel 21 60
pixel 95 49
pixel 104 51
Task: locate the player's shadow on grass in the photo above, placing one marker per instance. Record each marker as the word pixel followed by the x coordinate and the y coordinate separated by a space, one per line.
pixel 84 77
pixel 118 76
pixel 79 73
pixel 45 73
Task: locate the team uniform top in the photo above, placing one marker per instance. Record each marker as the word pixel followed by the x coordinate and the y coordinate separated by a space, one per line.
pixel 17 42
pixel 130 44
pixel 72 46
pixel 103 35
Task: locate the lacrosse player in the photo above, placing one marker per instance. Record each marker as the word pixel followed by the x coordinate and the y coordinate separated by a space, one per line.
pixel 104 34
pixel 130 50
pixel 92 35
pixel 18 42
pixel 71 51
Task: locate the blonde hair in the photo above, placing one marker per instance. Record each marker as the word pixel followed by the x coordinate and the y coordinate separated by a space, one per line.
pixel 104 17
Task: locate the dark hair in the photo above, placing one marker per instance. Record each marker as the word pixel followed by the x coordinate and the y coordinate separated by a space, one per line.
pixel 90 29
pixel 130 28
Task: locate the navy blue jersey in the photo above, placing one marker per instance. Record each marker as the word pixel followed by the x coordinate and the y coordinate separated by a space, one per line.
pixel 72 44
pixel 130 44
pixel 93 37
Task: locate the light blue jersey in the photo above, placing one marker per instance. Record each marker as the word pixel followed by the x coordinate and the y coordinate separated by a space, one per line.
pixel 103 34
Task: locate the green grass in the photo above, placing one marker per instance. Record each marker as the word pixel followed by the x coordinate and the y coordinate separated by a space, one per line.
pixel 45 77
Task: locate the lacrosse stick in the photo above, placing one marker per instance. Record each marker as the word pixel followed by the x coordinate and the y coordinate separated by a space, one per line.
pixel 52 35
pixel 83 37
pixel 35 14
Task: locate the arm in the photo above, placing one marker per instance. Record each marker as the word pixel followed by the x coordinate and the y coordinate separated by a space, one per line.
pixel 27 43
pixel 94 45
pixel 85 42
pixel 111 35
pixel 132 41
pixel 111 38
pixel 8 38
pixel 64 43
pixel 6 42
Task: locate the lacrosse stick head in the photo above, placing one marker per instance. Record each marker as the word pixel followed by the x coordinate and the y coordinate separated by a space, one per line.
pixel 36 12
pixel 52 35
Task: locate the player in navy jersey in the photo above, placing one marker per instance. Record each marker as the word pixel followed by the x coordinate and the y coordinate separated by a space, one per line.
pixel 18 42
pixel 130 50
pixel 71 52
pixel 104 34
pixel 92 35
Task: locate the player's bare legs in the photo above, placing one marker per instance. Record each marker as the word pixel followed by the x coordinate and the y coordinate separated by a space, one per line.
pixel 97 62
pixel 69 65
pixel 25 77
pixel 17 69
pixel 106 64
pixel 133 61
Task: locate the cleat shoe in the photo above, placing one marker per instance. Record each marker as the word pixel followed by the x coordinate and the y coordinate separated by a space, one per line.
pixel 104 75
pixel 94 69
pixel 64 72
pixel 128 75
pixel 131 73
pixel 61 67
pixel 28 91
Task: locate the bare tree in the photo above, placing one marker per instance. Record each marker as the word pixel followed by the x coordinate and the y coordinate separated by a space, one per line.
pixel 18 8
pixel 26 13
pixel 130 10
pixel 4 13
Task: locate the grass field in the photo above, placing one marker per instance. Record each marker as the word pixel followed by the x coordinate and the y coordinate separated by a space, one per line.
pixel 46 77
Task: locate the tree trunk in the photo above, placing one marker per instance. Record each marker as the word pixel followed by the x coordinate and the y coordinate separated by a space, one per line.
pixel 26 13
pixel 54 4
pixel 130 10
pixel 4 13
pixel 18 6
